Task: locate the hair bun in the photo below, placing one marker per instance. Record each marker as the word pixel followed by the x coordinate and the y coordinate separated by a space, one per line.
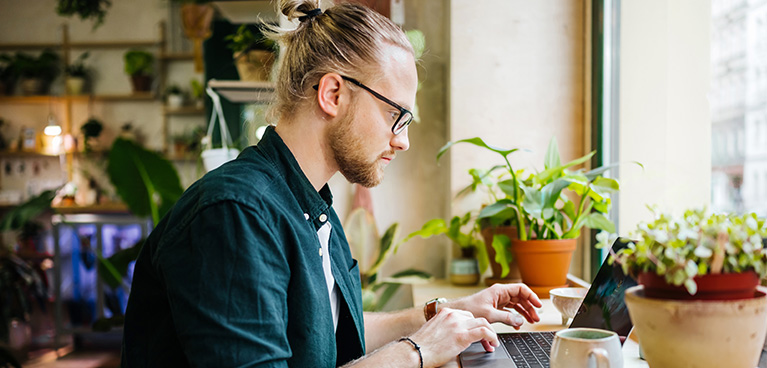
pixel 299 9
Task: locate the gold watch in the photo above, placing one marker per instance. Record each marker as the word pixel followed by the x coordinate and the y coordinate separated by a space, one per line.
pixel 430 308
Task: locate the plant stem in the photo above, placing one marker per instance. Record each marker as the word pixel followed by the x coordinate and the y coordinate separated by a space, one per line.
pixel 521 231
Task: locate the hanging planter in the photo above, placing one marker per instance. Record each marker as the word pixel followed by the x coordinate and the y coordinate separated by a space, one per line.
pixel 196 19
pixel 85 9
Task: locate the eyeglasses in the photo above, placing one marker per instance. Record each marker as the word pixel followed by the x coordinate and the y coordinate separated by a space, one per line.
pixel 403 118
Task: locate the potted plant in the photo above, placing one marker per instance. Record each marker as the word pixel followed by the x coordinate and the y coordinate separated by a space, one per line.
pixel 7 74
pixel 196 17
pixel 698 303
pixel 85 9
pixel 139 66
pixel 253 54
pixel 467 269
pixel 547 208
pixel 36 73
pixel 198 91
pixel 174 96
pixel 91 131
pixel 77 74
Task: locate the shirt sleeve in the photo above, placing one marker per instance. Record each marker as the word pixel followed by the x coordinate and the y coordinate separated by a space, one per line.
pixel 226 277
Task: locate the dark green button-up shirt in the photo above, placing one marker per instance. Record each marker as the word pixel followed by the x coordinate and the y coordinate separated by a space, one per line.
pixel 233 277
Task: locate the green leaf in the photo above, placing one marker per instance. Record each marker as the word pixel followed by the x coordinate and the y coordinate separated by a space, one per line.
pixel 495 208
pixel 114 268
pixel 503 256
pixel 386 241
pixel 388 292
pixel 545 175
pixel 507 187
pixel 603 207
pixel 27 211
pixel 569 210
pixel 477 142
pixel 597 220
pixel 533 202
pixel 411 273
pixel 482 258
pixel 605 185
pixel 552 155
pixel 417 40
pixel 146 182
pixel 368 300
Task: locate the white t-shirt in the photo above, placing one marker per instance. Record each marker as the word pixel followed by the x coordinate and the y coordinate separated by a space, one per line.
pixel 324 235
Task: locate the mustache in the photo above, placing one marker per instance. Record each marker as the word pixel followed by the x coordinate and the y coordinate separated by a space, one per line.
pixel 389 154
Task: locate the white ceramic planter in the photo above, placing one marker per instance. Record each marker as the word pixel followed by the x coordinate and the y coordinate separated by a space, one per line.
pixel 679 334
pixel 175 101
pixel 75 85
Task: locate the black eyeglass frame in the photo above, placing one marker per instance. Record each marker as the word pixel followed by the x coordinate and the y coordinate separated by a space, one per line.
pixel 402 110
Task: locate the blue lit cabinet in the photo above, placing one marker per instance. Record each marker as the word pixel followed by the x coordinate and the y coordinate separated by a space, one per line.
pixel 81 297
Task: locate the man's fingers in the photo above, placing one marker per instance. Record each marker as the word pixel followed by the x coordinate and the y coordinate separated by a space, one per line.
pixel 529 313
pixel 483 333
pixel 488 348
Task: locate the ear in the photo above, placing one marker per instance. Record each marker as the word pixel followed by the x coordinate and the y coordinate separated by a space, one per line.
pixel 329 94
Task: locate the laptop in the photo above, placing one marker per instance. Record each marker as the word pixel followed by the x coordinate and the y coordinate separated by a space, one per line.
pixel 603 307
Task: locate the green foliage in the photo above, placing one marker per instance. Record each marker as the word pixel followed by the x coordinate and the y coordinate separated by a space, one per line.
pixel 20 286
pixel 45 66
pixel 699 243
pixel 92 128
pixel 18 217
pixel 173 89
pixel 244 39
pixel 356 232
pixel 418 41
pixel 77 68
pixel 197 88
pixel 85 9
pixel 551 204
pixel 147 182
pixel 466 239
pixel 138 62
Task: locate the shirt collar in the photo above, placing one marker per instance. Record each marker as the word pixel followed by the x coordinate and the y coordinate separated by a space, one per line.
pixel 315 204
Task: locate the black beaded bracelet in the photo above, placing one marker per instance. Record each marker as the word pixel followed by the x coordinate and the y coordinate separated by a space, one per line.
pixel 415 346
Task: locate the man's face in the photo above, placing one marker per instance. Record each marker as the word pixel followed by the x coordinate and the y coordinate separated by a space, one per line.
pixel 362 141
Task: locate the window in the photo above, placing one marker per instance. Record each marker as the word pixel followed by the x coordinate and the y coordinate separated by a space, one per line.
pixel 738 106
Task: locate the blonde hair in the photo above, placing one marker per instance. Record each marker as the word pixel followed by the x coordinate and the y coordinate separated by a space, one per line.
pixel 347 39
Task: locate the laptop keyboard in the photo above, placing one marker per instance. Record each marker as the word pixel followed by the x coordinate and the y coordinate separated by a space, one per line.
pixel 529 350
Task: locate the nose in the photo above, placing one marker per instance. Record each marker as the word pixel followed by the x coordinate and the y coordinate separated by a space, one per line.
pixel 400 142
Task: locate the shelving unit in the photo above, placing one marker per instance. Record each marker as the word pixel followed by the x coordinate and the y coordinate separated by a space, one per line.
pixel 243 92
pixel 66 46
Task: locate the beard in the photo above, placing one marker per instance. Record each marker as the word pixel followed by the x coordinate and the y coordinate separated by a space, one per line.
pixel 348 152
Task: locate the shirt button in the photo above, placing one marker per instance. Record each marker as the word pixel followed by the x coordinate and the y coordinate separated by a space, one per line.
pixel 320 252
pixel 306 216
pixel 323 217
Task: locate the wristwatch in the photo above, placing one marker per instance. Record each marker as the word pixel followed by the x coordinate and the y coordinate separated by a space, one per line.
pixel 430 308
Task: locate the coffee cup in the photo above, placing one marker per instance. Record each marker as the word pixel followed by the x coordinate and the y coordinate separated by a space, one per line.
pixel 586 348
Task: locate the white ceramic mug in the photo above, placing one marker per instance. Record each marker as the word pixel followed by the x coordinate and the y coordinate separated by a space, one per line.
pixel 586 348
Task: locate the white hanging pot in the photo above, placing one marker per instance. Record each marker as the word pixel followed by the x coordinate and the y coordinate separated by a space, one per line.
pixel 212 158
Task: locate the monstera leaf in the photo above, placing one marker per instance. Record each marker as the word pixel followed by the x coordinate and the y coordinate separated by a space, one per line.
pixel 146 182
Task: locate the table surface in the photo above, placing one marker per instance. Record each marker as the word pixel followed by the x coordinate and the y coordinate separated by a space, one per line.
pixel 551 320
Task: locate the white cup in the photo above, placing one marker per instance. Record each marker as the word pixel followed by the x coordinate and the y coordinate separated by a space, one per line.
pixel 586 348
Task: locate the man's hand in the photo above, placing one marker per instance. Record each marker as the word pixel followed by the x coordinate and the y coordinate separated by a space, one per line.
pixel 490 304
pixel 450 332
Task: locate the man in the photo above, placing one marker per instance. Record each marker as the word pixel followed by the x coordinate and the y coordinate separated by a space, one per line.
pixel 252 268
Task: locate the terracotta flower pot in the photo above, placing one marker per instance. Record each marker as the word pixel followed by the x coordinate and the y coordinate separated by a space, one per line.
pixel 543 264
pixel 699 333
pixel 513 276
pixel 724 286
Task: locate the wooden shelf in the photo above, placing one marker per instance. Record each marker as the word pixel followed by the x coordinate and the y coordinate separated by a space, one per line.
pixel 110 207
pixel 242 91
pixel 177 56
pixel 29 46
pixel 25 154
pixel 184 110
pixel 143 96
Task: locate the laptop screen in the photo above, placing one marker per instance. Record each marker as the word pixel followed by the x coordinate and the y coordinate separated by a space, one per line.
pixel 604 305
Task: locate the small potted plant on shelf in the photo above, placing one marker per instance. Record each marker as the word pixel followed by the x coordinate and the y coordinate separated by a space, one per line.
pixel 174 96
pixel 467 269
pixel 198 91
pixel 139 66
pixel 698 303
pixel 91 131
pixel 36 73
pixel 77 75
pixel 254 54
pixel 7 74
pixel 547 210
pixel 85 9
